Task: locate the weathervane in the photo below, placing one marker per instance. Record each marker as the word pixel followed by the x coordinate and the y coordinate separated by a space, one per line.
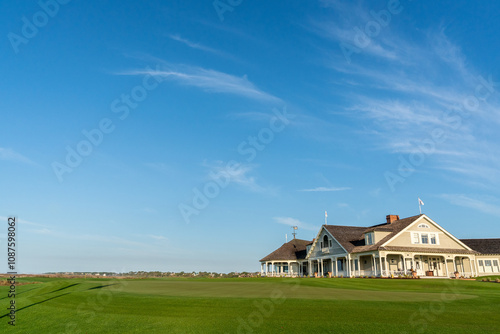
pixel 295 228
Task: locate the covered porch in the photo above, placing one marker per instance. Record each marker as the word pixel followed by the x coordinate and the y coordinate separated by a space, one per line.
pixel 427 265
pixel 283 268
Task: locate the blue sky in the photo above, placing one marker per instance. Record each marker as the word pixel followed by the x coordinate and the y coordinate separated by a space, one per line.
pixel 192 136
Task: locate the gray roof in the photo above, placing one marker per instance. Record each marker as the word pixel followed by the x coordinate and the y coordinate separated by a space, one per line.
pixel 295 249
pixel 352 237
pixel 483 246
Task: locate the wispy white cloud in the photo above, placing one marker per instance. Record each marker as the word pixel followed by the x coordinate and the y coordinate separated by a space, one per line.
pixel 327 189
pixel 295 222
pixel 157 237
pixel 158 166
pixel 208 80
pixel 473 203
pixel 8 154
pixel 240 175
pixel 197 46
pixel 149 210
pixel 400 107
pixel 41 229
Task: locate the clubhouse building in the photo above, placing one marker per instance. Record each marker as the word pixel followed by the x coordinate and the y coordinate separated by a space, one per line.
pixel 410 246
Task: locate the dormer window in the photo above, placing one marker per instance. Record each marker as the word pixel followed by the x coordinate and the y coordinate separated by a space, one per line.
pixel 325 242
pixel 369 238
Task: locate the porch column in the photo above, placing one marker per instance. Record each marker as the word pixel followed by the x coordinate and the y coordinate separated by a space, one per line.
pixel 404 263
pixel 380 263
pixel 320 267
pixel 309 267
pixel 290 270
pixel 336 267
pixel 348 265
pixel 446 265
pixel 475 267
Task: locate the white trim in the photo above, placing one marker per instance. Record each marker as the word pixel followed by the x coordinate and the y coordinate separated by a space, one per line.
pixel 316 240
pixel 433 223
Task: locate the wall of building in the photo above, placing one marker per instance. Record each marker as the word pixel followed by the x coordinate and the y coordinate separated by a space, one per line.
pixel 488 264
pixel 444 241
pixel 334 250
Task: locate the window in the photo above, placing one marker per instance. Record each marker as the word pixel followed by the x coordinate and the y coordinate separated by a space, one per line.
pixel 425 238
pixel 495 263
pixel 325 241
pixel 423 226
pixel 340 265
pixel 416 238
pixel 330 243
pixel 321 244
pixel 487 263
pixel 369 238
pixel 433 239
pixel 480 262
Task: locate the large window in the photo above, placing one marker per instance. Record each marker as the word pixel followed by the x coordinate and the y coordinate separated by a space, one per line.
pixel 325 241
pixel 487 263
pixel 340 265
pixel 425 238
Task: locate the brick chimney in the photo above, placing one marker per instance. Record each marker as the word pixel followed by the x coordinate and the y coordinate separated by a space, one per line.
pixel 391 218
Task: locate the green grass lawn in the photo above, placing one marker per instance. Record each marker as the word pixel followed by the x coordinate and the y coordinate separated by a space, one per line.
pixel 253 305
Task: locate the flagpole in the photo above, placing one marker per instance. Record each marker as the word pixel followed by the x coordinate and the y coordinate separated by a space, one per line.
pixel 420 203
pixel 326 216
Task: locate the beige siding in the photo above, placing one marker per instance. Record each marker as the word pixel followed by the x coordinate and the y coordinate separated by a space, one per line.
pixel 444 241
pixel 380 235
pixel 485 269
pixel 451 267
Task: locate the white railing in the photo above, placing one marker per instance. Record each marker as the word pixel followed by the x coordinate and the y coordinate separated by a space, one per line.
pixel 365 273
pixel 280 274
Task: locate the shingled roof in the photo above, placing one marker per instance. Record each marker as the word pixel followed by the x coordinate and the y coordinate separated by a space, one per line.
pixel 295 249
pixel 352 239
pixel 483 246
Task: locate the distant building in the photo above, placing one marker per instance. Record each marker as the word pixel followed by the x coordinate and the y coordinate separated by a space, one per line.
pixel 396 247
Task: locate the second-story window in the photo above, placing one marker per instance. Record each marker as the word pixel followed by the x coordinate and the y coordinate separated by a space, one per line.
pixel 425 238
pixel 369 239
